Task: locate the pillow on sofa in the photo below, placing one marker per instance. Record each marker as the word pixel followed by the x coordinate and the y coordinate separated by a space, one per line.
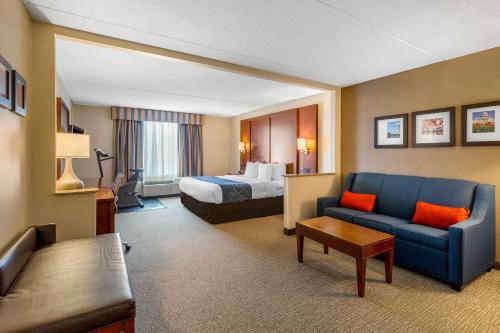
pixel 440 217
pixel 364 202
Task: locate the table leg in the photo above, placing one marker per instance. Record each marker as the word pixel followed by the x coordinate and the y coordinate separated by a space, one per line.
pixel 325 249
pixel 300 247
pixel 389 258
pixel 361 272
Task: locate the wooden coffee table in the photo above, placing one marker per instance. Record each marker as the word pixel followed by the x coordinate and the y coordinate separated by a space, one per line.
pixel 354 240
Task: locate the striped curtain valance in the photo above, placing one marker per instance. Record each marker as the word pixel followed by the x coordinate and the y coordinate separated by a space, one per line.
pixel 118 112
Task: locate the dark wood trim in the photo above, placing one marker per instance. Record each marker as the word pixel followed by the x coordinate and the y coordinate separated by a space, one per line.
pixel 414 115
pixel 405 127
pixel 496 266
pixel 6 102
pixel 289 232
pixel 465 108
pixel 125 326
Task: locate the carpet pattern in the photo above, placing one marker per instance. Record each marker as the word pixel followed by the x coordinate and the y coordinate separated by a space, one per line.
pixel 190 276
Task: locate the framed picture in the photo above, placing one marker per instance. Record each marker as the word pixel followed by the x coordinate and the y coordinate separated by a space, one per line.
pixel 433 128
pixel 391 131
pixel 18 94
pixel 5 84
pixel 480 124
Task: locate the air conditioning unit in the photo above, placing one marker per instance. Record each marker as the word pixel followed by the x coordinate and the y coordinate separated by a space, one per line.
pixel 160 189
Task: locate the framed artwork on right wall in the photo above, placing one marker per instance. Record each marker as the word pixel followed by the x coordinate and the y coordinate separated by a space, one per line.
pixel 433 128
pixel 5 84
pixel 480 124
pixel 391 131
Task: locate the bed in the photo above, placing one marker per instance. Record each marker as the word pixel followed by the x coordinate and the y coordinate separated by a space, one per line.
pixel 232 197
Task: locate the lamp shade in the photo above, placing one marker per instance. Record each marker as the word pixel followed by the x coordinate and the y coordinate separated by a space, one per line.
pixel 241 146
pixel 72 145
pixel 301 144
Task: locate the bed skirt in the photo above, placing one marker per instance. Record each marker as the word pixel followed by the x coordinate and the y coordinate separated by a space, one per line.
pixel 226 212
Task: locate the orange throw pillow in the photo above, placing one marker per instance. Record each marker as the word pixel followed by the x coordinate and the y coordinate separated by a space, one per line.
pixel 436 216
pixel 364 202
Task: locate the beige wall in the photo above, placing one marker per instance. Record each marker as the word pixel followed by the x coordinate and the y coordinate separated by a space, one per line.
pixel 470 79
pixel 301 194
pixel 74 215
pixel 328 129
pixel 96 121
pixel 62 92
pixel 15 47
pixel 215 145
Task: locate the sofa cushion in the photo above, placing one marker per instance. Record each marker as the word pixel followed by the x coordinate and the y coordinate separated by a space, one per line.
pixel 441 217
pixel 423 235
pixel 379 222
pixel 448 192
pixel 364 202
pixel 341 213
pixel 72 286
pixel 367 183
pixel 398 196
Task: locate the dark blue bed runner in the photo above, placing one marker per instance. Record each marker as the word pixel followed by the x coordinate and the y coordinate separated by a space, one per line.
pixel 232 191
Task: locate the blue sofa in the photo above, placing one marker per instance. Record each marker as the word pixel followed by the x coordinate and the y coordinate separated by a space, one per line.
pixel 457 255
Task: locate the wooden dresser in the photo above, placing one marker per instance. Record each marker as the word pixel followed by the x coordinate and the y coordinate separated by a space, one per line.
pixel 105 211
pixel 105 203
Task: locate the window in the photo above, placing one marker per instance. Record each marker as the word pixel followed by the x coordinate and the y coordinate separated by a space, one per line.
pixel 160 151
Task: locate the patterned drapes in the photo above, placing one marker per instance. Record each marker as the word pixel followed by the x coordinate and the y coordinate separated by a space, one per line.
pixel 190 144
pixel 127 145
pixel 137 114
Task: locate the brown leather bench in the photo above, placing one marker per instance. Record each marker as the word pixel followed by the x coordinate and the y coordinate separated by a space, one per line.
pixel 78 285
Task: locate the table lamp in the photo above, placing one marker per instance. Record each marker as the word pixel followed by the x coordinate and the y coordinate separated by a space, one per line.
pixel 69 146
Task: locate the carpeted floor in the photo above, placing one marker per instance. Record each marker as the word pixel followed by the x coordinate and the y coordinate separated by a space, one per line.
pixel 190 276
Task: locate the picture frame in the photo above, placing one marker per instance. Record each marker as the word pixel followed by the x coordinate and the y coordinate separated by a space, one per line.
pixel 433 128
pixel 481 124
pixel 5 84
pixel 19 94
pixel 391 131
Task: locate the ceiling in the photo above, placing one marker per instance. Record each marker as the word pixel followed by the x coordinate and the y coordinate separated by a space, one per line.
pixel 340 42
pixel 104 76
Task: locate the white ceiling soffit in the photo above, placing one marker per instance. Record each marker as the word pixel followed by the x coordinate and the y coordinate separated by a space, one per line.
pixel 103 76
pixel 339 42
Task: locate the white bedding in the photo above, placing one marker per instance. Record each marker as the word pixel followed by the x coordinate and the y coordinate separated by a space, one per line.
pixel 212 193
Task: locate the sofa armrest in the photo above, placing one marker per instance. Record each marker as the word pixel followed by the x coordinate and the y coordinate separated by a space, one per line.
pixel 472 242
pixel 45 234
pixel 325 202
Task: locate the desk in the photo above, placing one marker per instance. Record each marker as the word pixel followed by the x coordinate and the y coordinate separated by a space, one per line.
pixel 105 205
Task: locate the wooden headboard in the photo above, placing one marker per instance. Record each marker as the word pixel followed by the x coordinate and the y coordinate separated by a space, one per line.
pixel 273 138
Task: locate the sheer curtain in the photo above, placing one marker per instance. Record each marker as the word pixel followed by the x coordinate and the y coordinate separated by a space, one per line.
pixel 160 151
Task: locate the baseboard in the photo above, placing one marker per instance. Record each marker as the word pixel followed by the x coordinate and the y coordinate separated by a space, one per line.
pixel 289 232
pixel 497 266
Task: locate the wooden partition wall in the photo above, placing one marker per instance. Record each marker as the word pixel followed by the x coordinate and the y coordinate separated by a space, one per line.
pixel 273 138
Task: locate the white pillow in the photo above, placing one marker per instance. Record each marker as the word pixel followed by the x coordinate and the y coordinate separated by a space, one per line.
pixel 265 171
pixel 251 170
pixel 279 169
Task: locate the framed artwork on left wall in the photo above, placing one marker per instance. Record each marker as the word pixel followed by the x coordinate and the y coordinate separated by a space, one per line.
pixel 391 131
pixel 5 84
pixel 18 94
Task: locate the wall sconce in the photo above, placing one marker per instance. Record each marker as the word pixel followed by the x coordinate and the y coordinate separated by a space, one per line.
pixel 302 146
pixel 241 147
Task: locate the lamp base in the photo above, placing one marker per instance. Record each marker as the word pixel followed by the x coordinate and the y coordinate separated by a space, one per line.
pixel 68 180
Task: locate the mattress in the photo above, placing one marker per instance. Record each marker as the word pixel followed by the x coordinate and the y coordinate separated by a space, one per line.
pixel 212 193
